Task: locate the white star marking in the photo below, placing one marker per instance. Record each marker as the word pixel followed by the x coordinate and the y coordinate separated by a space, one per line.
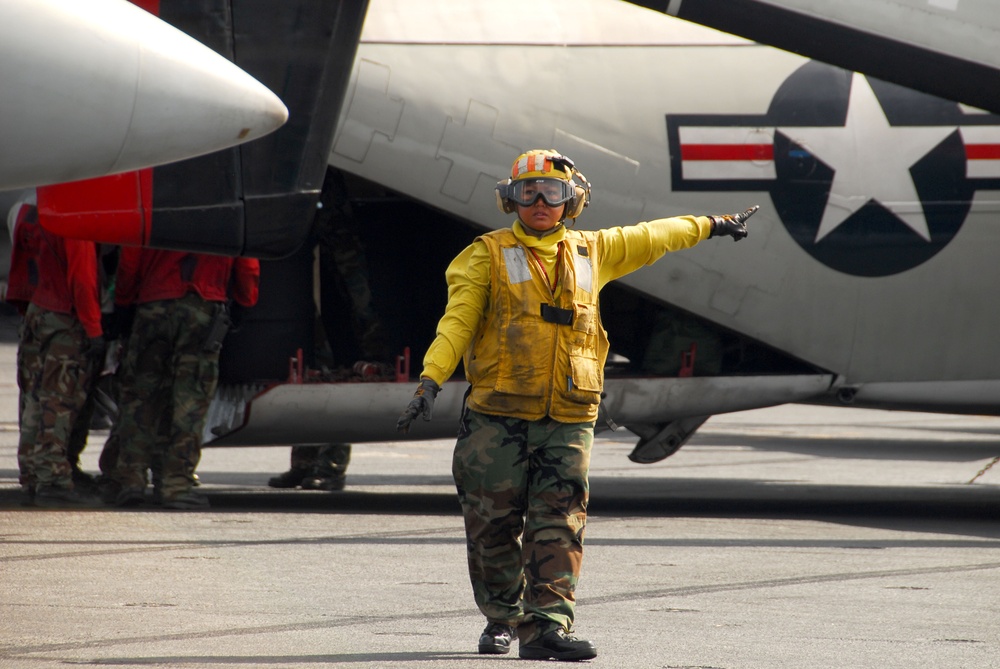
pixel 871 161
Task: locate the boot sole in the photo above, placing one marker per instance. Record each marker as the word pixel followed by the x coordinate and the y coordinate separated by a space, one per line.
pixel 529 653
pixel 490 649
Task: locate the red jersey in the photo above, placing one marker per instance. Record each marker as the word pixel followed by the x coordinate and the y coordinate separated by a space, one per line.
pixel 146 275
pixel 68 279
pixel 22 279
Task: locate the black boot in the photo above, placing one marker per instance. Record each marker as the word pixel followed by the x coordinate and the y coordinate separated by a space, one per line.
pixel 558 645
pixel 63 498
pixel 290 479
pixel 84 482
pixel 332 483
pixel 496 639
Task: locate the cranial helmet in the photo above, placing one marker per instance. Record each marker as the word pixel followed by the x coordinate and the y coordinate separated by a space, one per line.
pixel 547 174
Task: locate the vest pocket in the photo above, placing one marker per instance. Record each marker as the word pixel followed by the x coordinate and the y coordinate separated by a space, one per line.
pixel 586 357
pixel 584 321
pixel 587 378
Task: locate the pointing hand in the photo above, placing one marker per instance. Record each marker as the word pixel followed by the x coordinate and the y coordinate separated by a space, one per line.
pixel 733 225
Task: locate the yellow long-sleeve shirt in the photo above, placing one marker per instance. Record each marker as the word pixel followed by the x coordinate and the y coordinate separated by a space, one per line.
pixel 622 250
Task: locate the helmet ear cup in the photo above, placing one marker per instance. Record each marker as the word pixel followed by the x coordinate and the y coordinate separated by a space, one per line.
pixel 504 202
pixel 580 200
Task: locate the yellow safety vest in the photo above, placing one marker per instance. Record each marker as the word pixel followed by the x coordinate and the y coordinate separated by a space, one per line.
pixel 535 354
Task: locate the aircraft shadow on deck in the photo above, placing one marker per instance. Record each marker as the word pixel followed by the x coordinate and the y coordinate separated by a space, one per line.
pixel 614 497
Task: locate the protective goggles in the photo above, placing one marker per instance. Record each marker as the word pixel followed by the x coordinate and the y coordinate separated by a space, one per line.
pixel 527 191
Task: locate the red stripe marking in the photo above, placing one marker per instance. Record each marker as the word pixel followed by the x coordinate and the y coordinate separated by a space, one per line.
pixel 982 151
pixel 727 152
pixel 151 6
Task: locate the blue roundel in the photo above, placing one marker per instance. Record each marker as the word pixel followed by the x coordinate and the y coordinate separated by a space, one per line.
pixel 873 240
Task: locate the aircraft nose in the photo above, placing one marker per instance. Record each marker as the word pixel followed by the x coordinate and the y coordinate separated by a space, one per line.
pixel 272 116
pixel 198 106
pixel 114 89
pixel 189 96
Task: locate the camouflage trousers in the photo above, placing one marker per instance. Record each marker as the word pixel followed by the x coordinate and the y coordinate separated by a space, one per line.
pixel 523 489
pixel 53 375
pixel 167 383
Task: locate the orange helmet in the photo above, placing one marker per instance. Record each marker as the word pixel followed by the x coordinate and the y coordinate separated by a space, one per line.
pixel 546 174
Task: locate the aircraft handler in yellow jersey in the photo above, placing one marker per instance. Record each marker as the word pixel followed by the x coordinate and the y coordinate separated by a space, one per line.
pixel 524 316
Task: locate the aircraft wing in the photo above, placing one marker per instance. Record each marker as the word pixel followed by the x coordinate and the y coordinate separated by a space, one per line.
pixel 943 47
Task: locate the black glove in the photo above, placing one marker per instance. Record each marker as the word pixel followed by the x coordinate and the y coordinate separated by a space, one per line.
pixel 421 404
pixel 96 347
pixel 734 225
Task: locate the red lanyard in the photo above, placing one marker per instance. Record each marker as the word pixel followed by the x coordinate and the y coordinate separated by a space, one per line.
pixel 555 279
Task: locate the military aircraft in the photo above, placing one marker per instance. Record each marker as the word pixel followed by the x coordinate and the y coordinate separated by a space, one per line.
pixel 863 280
pixel 866 278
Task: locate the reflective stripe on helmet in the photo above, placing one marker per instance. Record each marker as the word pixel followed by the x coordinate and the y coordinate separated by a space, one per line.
pixel 539 163
pixel 532 162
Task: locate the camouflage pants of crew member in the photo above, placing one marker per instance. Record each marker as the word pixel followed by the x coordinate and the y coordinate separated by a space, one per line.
pixel 53 375
pixel 524 490
pixel 81 426
pixel 168 380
